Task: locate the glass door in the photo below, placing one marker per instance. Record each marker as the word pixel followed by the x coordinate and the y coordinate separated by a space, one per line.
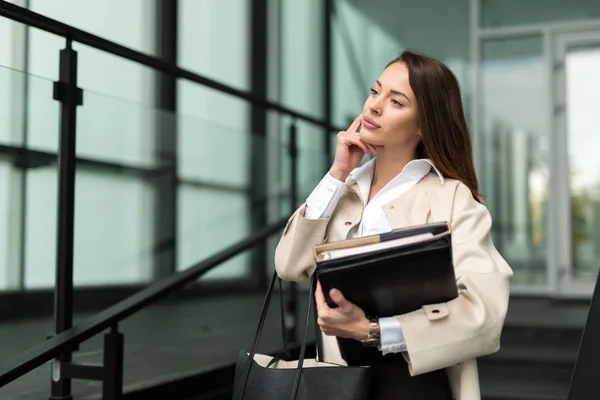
pixel 577 130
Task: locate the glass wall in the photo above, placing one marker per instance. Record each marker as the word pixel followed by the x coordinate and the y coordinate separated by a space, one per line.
pixel 12 38
pixel 301 85
pixel 513 146
pixel 113 211
pixel 118 125
pixel 582 61
pixel 368 35
pixel 528 125
pixel 213 136
pixel 116 190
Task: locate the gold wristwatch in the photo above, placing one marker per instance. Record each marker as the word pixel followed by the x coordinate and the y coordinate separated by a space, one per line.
pixel 373 339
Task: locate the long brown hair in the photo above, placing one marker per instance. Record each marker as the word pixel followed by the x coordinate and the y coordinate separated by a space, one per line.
pixel 445 137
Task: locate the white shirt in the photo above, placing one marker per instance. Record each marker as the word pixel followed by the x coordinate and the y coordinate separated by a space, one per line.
pixel 324 198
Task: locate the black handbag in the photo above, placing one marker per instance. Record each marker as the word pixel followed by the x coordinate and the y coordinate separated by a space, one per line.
pixel 261 377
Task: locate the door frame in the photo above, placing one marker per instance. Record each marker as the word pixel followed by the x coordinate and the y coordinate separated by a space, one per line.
pixel 567 285
pixel 556 267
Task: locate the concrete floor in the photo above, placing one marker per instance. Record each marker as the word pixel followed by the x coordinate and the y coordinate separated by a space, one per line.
pixel 178 338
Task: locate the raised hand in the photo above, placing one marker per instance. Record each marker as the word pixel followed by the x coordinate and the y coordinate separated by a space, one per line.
pixel 349 151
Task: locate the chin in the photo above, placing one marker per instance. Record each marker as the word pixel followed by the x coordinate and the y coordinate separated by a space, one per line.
pixel 369 138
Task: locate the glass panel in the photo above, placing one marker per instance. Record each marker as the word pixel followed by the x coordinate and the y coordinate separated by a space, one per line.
pixel 12 44
pixel 312 160
pixel 583 140
pixel 209 221
pixel 214 145
pixel 301 65
pixel 213 40
pixel 6 28
pixel 214 168
pixel 367 35
pixel 113 228
pixel 5 228
pixel 363 43
pixel 131 23
pixel 519 12
pixel 512 144
pixel 214 210
pixel 97 70
pixel 114 207
pixel 119 131
pixel 12 103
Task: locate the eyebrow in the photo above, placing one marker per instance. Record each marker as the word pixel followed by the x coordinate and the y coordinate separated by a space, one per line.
pixel 397 92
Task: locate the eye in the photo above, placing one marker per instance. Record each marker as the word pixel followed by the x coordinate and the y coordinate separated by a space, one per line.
pixel 373 91
pixel 396 103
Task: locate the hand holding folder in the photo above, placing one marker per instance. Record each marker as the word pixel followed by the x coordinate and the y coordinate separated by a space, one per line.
pixel 392 273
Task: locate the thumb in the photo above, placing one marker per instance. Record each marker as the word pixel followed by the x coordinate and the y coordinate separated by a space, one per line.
pixel 339 299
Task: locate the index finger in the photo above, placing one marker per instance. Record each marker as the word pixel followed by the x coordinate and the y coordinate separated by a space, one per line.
pixel 355 124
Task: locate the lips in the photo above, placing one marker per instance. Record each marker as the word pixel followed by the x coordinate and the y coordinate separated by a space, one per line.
pixel 369 123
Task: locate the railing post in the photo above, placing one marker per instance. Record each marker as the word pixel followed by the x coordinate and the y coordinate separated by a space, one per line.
pixel 112 386
pixel 292 298
pixel 69 96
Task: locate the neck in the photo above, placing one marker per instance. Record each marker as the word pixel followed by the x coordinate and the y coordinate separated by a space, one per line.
pixel 389 164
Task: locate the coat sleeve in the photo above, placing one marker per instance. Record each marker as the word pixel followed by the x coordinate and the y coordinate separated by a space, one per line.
pixel 294 253
pixel 441 335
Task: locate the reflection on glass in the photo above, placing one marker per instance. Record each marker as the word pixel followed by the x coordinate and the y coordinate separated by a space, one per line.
pixel 311 157
pixel 120 131
pixel 113 228
pixel 512 146
pixel 217 206
pixel 211 220
pixel 12 104
pixel 583 141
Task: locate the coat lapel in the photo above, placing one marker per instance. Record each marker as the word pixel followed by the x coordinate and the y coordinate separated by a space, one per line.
pixel 413 207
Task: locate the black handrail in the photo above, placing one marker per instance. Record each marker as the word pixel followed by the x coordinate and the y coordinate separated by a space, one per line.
pixel 44 352
pixel 42 22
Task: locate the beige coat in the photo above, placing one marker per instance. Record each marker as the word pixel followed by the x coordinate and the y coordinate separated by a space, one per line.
pixel 460 330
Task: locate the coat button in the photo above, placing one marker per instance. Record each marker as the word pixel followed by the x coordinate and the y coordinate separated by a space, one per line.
pixel 392 207
pixel 348 223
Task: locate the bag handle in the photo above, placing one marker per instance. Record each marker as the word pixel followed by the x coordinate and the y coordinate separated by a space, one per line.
pixel 261 324
pixel 263 317
pixel 318 334
pixel 311 302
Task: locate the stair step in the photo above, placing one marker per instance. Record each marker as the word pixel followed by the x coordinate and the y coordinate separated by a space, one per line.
pixel 498 389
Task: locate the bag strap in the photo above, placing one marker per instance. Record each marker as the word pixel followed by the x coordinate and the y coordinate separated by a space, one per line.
pixel 282 317
pixel 261 324
pixel 318 335
pixel 311 303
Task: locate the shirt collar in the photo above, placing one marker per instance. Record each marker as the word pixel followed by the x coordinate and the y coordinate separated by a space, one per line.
pixel 415 169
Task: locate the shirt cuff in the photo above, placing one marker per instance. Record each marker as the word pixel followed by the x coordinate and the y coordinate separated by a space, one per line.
pixel 322 200
pixel 392 339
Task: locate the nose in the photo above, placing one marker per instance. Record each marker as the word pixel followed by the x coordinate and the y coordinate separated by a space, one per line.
pixel 375 108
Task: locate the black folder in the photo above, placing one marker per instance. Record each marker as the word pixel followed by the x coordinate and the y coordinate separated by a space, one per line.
pixel 391 273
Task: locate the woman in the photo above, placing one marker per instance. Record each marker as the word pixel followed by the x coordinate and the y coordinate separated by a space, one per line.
pixel 423 172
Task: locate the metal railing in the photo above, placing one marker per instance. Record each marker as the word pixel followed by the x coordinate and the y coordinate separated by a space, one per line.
pixel 110 317
pixel 59 348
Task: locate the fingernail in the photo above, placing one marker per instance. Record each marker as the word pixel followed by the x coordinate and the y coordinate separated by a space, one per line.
pixel 335 292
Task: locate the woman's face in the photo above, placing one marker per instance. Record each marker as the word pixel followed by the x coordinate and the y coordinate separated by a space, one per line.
pixel 390 114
